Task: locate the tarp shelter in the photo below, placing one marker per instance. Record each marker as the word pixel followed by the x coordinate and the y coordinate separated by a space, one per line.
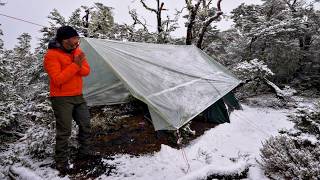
pixel 177 82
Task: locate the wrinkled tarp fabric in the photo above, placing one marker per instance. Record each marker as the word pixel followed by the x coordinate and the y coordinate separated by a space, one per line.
pixel 177 82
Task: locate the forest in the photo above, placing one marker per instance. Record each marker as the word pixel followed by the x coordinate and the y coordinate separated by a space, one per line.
pixel 272 47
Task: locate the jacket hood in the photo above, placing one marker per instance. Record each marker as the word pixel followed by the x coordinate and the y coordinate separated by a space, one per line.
pixel 54 44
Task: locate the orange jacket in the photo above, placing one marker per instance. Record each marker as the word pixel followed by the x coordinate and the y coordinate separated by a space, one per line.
pixel 65 76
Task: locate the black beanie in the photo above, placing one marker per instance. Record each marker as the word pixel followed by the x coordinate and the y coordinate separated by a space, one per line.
pixel 65 32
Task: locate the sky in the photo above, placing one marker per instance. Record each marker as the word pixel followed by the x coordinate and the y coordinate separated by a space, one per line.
pixel 37 11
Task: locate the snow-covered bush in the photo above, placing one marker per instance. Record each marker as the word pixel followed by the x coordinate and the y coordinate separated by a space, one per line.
pixel 252 69
pixel 7 114
pixel 296 153
pixel 265 100
pixel 9 100
pixel 286 157
pixel 39 108
pixel 307 121
pixel 252 73
pixel 40 141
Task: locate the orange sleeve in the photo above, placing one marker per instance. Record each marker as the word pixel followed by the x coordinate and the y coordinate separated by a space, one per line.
pixel 53 68
pixel 85 68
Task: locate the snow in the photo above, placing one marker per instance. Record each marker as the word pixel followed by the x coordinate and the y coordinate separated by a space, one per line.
pixel 23 173
pixel 227 148
pixel 254 65
pixel 216 169
pixel 309 137
pixel 304 103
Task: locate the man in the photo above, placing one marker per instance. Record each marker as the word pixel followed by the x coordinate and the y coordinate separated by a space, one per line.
pixel 66 64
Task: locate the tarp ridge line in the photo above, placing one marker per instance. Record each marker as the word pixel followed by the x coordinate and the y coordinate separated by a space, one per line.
pixel 178 86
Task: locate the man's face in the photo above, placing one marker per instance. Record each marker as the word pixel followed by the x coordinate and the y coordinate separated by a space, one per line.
pixel 71 43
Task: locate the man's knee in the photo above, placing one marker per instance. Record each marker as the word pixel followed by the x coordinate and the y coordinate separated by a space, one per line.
pixel 63 133
pixel 81 115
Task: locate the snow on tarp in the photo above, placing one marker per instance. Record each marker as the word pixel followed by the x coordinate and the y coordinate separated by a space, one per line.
pixel 177 82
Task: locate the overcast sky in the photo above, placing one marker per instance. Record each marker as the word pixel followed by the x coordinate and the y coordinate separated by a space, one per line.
pixel 38 10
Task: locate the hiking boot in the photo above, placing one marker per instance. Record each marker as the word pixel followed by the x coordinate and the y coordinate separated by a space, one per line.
pixel 63 167
pixel 88 155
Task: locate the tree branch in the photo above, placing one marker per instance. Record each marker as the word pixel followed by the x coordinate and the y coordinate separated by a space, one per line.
pixel 291 5
pixel 208 22
pixel 209 3
pixel 161 7
pixel 147 7
pixel 219 5
pixel 136 20
pixel 179 12
pixel 157 11
pixel 189 5
pixel 197 6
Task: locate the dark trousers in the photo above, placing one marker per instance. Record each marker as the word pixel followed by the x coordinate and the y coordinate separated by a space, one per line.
pixel 65 109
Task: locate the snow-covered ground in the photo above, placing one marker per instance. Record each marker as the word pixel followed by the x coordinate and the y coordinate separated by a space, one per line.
pixel 226 149
pixel 221 150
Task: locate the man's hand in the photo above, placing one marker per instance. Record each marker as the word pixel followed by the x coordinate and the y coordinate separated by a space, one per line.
pixel 79 58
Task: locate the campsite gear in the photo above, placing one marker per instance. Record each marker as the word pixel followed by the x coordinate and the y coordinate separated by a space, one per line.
pixel 177 82
pixel 65 109
pixel 217 113
pixel 231 101
pixel 88 155
pixel 65 75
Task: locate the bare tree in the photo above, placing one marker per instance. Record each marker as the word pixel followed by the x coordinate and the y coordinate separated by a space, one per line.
pixel 136 20
pixel 85 20
pixel 193 9
pixel 193 12
pixel 157 11
pixel 206 23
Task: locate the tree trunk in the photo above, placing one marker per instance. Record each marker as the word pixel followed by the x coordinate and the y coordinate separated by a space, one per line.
pixel 207 23
pixel 205 26
pixel 193 10
pixel 86 22
pixel 158 13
